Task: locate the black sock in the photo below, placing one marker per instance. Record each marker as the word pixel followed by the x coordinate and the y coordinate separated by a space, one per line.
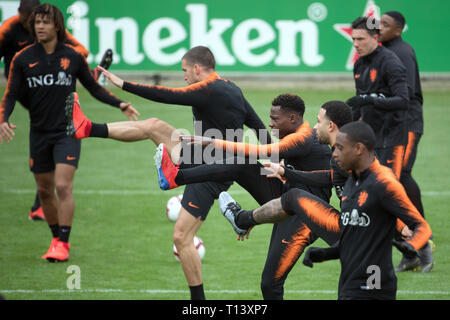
pixel 99 130
pixel 37 203
pixel 244 219
pixel 197 292
pixel 179 179
pixel 54 228
pixel 64 233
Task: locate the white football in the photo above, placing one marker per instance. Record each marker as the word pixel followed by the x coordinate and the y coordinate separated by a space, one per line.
pixel 173 207
pixel 199 245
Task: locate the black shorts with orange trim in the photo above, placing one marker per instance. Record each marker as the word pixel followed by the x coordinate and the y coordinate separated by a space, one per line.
pixel 198 198
pixel 392 157
pixel 48 149
pixel 411 151
pixel 206 182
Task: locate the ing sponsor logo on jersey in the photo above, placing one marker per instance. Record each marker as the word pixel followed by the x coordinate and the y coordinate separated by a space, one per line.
pixel 62 79
pixel 355 218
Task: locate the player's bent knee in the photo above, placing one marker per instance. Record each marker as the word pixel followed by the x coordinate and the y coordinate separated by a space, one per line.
pixel 152 124
pixel 63 189
pixel 45 192
pixel 289 198
pixel 182 239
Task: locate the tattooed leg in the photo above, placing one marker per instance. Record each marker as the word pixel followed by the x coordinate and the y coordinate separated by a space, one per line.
pixel 270 212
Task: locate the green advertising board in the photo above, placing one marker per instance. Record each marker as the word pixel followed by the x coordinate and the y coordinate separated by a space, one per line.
pixel 245 36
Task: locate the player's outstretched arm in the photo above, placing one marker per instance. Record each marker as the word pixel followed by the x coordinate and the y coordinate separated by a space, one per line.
pixel 128 110
pixel 103 95
pixel 118 82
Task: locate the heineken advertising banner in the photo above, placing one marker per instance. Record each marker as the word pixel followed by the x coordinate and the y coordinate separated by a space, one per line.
pixel 245 35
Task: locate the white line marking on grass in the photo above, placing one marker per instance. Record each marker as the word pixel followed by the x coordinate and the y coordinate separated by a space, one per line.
pixel 163 291
pixel 114 192
pixel 173 191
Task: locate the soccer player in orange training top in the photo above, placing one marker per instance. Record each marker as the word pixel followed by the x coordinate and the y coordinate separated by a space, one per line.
pixel 391 28
pixel 372 201
pixel 14 36
pixel 299 148
pixel 43 74
pixel 217 105
pixel 381 98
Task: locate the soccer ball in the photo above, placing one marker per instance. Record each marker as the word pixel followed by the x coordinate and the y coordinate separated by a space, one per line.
pixel 198 243
pixel 173 207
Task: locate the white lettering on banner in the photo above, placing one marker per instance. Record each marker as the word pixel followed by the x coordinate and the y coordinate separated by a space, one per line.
pixel 80 24
pixel 8 9
pixel 211 38
pixel 130 39
pixel 154 45
pixel 288 31
pixel 242 44
pixel 298 40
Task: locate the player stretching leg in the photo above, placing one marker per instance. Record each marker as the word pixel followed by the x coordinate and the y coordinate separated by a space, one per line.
pixel 373 199
pixel 217 104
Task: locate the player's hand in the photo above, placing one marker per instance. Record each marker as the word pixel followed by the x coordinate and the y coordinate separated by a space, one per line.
pixel 245 236
pixel 203 141
pixel 359 101
pixel 406 233
pixel 313 254
pixel 6 131
pixel 405 248
pixel 276 169
pixel 111 77
pixel 130 112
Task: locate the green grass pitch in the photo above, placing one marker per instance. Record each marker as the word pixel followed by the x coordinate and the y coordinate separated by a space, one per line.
pixel 122 241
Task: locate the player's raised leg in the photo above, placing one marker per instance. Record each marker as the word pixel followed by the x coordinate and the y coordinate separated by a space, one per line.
pixel 80 127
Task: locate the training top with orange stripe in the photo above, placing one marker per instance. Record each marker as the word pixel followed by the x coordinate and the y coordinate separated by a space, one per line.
pixel 382 74
pixel 407 56
pixel 370 207
pixel 217 105
pixel 14 37
pixel 300 150
pixel 335 177
pixel 44 81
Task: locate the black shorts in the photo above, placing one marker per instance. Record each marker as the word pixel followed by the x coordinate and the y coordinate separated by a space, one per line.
pixel 48 149
pixel 198 198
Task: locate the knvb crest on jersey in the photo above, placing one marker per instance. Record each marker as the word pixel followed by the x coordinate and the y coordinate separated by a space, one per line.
pixel 65 62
